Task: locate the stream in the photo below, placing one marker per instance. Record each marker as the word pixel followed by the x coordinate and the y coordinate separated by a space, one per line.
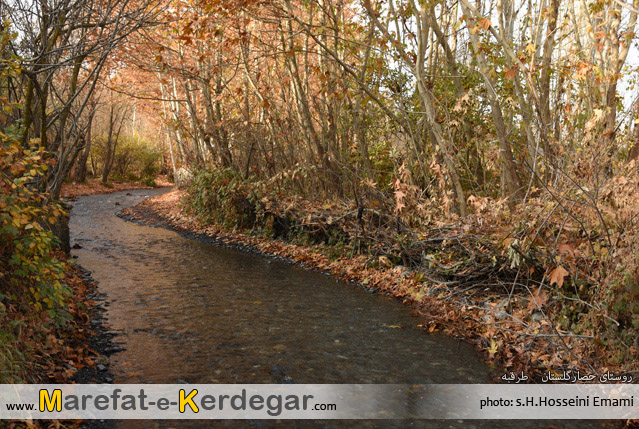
pixel 190 312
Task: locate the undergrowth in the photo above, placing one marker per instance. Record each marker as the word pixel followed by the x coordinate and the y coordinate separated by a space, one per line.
pixel 33 293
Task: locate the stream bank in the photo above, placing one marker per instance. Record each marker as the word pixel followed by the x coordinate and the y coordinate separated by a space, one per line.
pixel 186 311
pixel 455 320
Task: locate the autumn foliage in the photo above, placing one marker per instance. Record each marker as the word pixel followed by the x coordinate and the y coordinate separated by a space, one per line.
pixel 32 288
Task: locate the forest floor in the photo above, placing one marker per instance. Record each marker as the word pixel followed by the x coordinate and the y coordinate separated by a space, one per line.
pixel 530 347
pixel 95 186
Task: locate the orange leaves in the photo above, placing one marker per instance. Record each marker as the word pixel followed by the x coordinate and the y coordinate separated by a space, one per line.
pixel 538 300
pixel 558 275
pixel 566 250
pixel 400 189
pixel 481 24
pixel 399 197
pixel 186 39
pixel 95 186
pixel 485 23
pixel 510 74
pixel 583 71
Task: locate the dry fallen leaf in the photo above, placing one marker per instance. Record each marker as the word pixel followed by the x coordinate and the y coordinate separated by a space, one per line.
pixel 557 276
pixel 493 348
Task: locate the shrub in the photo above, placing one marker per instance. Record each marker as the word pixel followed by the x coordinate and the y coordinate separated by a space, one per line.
pixel 32 290
pixel 135 158
pixel 222 196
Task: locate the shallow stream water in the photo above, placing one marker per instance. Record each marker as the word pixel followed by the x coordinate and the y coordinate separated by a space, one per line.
pixel 190 312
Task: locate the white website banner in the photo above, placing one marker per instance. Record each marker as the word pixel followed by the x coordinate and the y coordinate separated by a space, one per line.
pixel 319 401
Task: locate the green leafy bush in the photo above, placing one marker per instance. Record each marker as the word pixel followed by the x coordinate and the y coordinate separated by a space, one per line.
pixel 135 158
pixel 222 196
pixel 32 289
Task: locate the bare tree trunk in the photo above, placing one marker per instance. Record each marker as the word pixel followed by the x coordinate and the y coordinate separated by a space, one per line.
pixel 81 175
pixel 633 154
pixel 112 141
pixel 511 183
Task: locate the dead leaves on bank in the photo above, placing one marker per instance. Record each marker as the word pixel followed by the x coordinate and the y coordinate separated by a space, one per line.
pixel 94 186
pixel 558 275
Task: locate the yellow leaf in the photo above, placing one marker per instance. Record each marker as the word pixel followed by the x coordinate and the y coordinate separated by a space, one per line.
pixel 383 260
pixel 493 347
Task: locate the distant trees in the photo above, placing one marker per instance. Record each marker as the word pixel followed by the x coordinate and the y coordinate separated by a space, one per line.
pixel 86 140
pixel 64 47
pixel 116 117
